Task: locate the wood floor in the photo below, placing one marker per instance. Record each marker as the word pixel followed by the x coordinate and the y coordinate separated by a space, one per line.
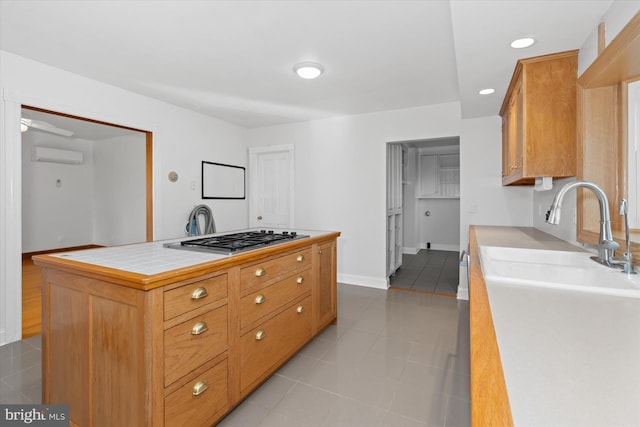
pixel 32 291
pixel 31 298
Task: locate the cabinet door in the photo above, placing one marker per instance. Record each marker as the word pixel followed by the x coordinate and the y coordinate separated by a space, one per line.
pixel 326 306
pixel 512 136
pixel 505 144
pixel 428 175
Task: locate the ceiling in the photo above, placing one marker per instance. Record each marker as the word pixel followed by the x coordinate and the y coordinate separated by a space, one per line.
pixel 234 59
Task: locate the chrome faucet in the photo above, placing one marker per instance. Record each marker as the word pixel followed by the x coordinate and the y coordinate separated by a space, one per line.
pixel 627 259
pixel 606 244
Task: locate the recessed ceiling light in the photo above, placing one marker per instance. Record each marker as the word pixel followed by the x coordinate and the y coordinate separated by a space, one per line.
pixel 487 91
pixel 308 70
pixel 523 42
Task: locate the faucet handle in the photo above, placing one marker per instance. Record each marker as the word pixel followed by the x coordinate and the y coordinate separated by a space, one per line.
pixel 624 207
pixel 610 244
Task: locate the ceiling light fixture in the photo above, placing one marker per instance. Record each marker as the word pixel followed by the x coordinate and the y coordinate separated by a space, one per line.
pixel 308 70
pixel 487 91
pixel 523 42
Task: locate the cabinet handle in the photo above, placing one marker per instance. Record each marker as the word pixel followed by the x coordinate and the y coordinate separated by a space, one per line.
pixel 199 293
pixel 260 335
pixel 199 328
pixel 300 258
pixel 200 387
pixel 260 299
pixel 260 272
pixel 320 252
pixel 300 309
pixel 300 280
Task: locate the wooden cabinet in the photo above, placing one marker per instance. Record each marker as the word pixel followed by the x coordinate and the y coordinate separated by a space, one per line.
pixel 440 176
pixel 539 119
pixel 182 347
pixel 326 299
pixel 201 401
pixel 265 347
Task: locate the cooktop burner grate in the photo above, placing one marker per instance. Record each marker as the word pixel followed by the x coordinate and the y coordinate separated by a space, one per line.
pixel 236 242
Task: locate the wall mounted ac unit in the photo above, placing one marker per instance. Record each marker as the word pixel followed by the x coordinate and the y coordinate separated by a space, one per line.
pixel 54 155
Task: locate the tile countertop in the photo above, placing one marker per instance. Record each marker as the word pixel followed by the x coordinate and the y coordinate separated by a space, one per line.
pixel 152 258
pixel 569 358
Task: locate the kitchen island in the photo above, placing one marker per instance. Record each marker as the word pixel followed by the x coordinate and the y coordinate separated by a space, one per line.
pixel 549 357
pixel 146 335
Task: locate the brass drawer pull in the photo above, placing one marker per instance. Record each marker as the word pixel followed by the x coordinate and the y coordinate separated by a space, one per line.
pixel 200 387
pixel 300 258
pixel 300 280
pixel 199 328
pixel 300 309
pixel 320 252
pixel 260 335
pixel 260 299
pixel 199 293
pixel 260 272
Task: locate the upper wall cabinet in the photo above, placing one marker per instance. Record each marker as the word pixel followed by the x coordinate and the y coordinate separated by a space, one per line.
pixel 440 176
pixel 539 119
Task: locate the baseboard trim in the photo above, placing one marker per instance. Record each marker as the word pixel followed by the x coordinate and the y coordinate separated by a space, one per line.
pixel 441 247
pixel 367 281
pixel 410 251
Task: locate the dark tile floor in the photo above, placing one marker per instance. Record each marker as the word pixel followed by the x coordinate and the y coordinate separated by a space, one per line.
pixel 429 271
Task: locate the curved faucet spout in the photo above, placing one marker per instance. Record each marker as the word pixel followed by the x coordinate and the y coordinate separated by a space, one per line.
pixel 606 244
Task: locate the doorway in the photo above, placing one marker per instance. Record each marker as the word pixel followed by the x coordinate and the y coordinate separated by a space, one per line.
pixel 84 184
pixel 429 171
pixel 271 186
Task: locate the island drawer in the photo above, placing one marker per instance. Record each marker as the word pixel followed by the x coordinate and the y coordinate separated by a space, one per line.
pixel 273 268
pixel 194 342
pixel 268 299
pixel 267 346
pixel 200 401
pixel 194 295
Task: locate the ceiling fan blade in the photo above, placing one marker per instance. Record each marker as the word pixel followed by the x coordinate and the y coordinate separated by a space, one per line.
pixel 46 127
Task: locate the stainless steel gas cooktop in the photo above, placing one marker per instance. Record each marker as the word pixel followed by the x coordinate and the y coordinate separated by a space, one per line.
pixel 237 242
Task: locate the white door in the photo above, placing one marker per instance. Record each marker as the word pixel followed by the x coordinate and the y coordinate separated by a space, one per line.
pixel 271 188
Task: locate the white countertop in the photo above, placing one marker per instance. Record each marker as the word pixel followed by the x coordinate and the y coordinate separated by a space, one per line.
pixel 569 358
pixel 152 258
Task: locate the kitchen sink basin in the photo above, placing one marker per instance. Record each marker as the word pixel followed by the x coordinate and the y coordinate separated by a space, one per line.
pixel 567 270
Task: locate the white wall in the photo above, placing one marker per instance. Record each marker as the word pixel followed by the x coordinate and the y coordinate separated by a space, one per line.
pixel 483 199
pixel 615 19
pixel 119 209
pixel 181 140
pixel 56 215
pixel 542 200
pixel 442 227
pixel 341 177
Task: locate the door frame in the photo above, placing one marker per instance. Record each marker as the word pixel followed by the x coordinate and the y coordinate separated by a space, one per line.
pixel 254 152
pixel 11 200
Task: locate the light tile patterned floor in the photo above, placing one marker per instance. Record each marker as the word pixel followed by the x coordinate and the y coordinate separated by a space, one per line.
pixel 430 271
pixel 394 359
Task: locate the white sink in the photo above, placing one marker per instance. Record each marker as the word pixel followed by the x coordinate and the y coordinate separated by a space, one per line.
pixel 556 269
